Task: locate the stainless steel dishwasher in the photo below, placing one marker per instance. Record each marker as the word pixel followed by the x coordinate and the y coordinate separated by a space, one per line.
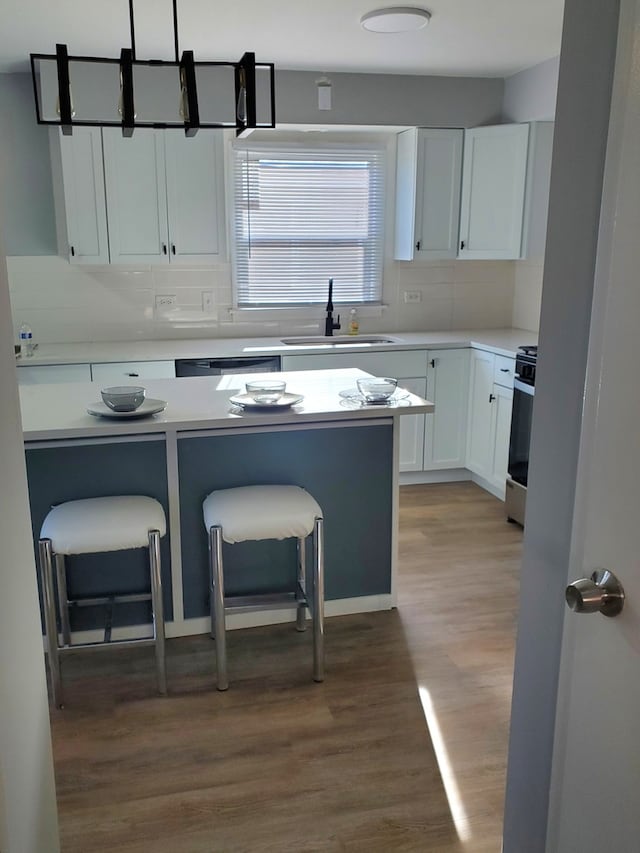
pixel 220 366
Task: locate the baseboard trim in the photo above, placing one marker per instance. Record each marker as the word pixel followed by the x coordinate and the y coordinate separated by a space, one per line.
pixel 448 475
pixel 235 621
pixel 487 485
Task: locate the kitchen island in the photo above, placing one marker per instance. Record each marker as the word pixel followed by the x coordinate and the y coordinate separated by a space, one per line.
pixel 345 454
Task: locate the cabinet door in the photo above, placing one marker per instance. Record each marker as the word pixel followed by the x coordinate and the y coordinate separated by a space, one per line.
pixel 46 374
pixel 446 428
pixel 502 404
pixel 81 174
pixel 428 176
pixel 128 372
pixel 493 190
pixel 194 196
pixel 412 430
pixel 136 196
pixel 480 428
pixel 438 193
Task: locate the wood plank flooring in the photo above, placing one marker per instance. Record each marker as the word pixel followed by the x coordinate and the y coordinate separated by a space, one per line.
pixel 403 748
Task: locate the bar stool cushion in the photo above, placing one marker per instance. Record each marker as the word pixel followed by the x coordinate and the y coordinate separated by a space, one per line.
pixel 95 525
pixel 261 512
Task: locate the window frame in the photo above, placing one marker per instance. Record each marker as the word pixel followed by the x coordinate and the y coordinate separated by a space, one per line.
pixel 377 213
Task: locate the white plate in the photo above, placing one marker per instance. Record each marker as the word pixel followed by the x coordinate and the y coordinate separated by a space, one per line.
pixel 356 397
pixel 247 401
pixel 360 403
pixel 149 407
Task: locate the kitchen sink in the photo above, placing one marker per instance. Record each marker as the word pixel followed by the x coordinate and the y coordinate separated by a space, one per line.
pixel 339 340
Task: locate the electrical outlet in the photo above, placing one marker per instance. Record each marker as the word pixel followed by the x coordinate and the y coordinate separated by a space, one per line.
pixel 207 301
pixel 412 296
pixel 166 300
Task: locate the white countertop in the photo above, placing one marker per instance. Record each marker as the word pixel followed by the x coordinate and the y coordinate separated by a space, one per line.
pixel 500 341
pixel 53 412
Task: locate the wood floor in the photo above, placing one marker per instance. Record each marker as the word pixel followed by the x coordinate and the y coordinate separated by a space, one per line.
pixel 403 748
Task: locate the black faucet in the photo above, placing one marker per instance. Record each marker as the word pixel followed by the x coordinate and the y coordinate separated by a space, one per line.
pixel 329 324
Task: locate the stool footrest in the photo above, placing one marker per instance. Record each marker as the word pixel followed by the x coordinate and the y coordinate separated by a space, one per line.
pixel 272 601
pixel 109 599
pixel 143 641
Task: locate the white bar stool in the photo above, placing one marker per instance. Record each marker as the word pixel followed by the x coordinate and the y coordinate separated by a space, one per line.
pixel 265 512
pixel 92 526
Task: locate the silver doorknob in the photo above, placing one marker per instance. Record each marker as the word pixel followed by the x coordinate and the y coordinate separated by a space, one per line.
pixel 601 593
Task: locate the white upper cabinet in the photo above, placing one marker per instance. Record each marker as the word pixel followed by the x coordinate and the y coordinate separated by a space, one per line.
pixel 165 196
pixel 136 196
pixel 505 187
pixel 428 175
pixel 195 196
pixel 78 182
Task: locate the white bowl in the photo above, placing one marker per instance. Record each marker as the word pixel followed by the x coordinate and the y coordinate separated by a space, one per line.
pixel 267 392
pixel 123 398
pixel 377 389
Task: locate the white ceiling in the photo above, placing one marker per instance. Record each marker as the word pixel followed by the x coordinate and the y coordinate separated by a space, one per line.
pixel 493 38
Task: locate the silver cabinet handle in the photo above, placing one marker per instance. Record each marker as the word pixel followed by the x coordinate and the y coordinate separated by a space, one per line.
pixel 601 593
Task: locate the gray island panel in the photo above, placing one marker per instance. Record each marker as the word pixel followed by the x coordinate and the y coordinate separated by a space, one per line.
pixel 349 471
pixel 66 473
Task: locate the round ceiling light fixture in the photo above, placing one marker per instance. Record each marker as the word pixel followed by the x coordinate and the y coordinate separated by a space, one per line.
pixel 395 19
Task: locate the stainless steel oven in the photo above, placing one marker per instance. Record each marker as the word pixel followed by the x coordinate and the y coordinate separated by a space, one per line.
pixel 521 416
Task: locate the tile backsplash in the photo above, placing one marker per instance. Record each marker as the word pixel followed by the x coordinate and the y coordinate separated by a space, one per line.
pixel 65 303
pixel 527 294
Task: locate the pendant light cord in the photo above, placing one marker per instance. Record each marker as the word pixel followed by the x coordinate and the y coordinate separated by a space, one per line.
pixel 133 31
pixel 175 31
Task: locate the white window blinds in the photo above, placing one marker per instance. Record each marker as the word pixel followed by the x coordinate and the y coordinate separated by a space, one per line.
pixel 303 216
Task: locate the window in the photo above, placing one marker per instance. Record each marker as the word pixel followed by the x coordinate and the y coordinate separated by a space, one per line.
pixel 303 216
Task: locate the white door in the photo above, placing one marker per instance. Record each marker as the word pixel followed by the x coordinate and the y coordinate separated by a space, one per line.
pixel 502 404
pixel 494 175
pixel 480 425
pixel 136 196
pixel 194 196
pixel 84 200
pixel 446 428
pixel 438 193
pixel 411 428
pixel 595 797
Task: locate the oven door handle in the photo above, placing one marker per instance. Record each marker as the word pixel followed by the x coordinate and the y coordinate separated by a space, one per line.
pixel 518 385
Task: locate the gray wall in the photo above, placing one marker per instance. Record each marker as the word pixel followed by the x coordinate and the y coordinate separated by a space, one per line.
pixel 584 93
pixel 25 172
pixel 391 99
pixel 28 816
pixel 530 95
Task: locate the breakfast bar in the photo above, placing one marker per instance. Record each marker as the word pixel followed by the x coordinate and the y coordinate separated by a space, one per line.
pixel 341 449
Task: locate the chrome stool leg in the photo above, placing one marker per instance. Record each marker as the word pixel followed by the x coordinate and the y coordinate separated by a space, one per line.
pixel 318 600
pixel 217 611
pixel 301 586
pixel 157 609
pixel 63 599
pixel 45 554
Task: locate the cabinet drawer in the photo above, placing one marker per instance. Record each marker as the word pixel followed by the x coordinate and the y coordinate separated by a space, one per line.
pixel 46 374
pixel 126 371
pixel 396 364
pixel 504 371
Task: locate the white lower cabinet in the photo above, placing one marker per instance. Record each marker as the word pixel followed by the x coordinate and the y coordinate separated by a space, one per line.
pixel 409 367
pixel 412 430
pixel 49 374
pixel 489 421
pixel 127 372
pixel 446 428
pixel 502 406
pixel 427 442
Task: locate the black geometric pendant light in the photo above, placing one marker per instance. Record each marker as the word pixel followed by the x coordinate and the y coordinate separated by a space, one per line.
pixel 90 91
